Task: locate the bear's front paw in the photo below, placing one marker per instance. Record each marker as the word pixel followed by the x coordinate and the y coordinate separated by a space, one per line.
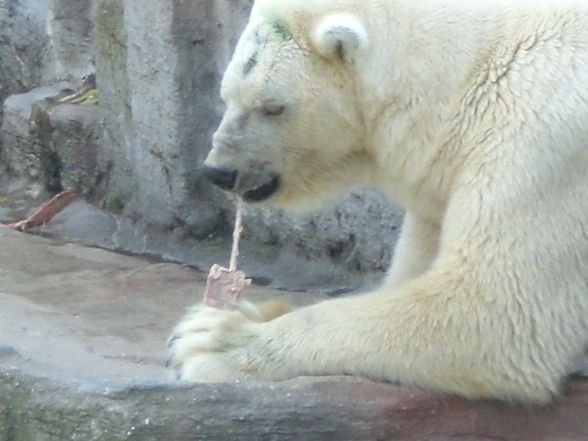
pixel 215 345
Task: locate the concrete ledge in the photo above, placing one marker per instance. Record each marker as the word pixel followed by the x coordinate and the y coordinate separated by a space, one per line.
pixel 82 351
pixel 303 409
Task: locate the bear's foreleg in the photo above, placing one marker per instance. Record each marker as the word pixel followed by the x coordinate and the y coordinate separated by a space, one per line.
pixel 415 250
pixel 432 333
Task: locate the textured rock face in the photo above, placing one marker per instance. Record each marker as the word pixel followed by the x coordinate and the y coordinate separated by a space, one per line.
pixel 137 153
pixel 156 88
pixel 21 44
pixel 70 38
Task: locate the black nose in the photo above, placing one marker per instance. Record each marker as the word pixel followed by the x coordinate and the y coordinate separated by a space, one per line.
pixel 220 177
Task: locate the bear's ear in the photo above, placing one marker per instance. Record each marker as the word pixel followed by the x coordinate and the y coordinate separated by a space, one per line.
pixel 340 35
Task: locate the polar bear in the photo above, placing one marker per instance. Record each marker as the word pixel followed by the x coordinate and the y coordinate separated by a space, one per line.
pixel 474 117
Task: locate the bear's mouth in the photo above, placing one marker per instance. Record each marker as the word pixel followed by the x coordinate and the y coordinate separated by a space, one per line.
pixel 262 192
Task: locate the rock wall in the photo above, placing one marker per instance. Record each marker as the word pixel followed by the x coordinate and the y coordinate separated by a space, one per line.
pixel 22 44
pixel 136 150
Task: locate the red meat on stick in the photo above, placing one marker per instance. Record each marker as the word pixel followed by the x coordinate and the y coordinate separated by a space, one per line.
pixel 224 285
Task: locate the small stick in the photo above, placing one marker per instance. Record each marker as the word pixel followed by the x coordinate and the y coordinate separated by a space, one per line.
pixel 46 212
pixel 236 237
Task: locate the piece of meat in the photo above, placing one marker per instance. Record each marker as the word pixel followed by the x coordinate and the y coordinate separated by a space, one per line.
pixel 46 212
pixel 224 285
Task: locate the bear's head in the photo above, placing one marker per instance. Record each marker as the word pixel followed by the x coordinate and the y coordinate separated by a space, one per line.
pixel 293 130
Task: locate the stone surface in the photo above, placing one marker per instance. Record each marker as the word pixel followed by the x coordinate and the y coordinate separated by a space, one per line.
pixel 25 151
pixel 22 45
pixel 84 223
pixel 157 86
pixel 82 350
pixel 43 41
pixel 75 140
pixel 70 36
pixel 51 143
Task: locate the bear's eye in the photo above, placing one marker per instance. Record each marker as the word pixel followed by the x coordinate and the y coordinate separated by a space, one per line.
pixel 273 109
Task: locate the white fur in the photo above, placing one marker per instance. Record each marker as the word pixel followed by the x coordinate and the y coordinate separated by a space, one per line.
pixel 474 116
pixel 342 32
